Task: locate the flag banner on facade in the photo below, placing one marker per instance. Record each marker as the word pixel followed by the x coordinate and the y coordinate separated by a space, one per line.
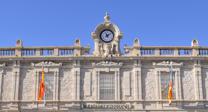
pixel 170 94
pixel 170 86
pixel 41 94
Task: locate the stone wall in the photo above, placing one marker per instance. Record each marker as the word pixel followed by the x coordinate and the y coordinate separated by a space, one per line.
pixel 67 90
pixel 188 84
pixel 7 85
pixel 27 84
pixel 66 84
pixel 149 84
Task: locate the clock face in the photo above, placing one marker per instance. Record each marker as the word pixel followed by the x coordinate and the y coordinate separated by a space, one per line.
pixel 106 36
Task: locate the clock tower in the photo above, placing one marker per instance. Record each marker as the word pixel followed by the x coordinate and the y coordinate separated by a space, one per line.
pixel 106 38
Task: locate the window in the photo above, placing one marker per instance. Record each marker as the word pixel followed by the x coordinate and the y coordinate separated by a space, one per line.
pixel 165 78
pixel 49 85
pixel 107 86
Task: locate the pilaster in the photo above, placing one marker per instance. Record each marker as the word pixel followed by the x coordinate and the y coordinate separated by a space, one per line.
pixel 97 85
pixel 178 85
pixel 76 72
pixel 56 85
pixel 36 77
pixel 117 81
pixel 1 82
pixel 157 95
pixel 198 80
pixel 16 77
pixel 137 80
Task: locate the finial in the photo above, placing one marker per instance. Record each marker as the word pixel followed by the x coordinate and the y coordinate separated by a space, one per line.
pixel 19 43
pixel 195 43
pixel 136 43
pixel 107 17
pixel 77 42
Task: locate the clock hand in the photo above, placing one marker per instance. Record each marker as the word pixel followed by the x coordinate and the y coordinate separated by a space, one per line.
pixel 106 35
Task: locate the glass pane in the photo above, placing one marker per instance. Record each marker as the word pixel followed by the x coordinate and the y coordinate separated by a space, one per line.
pixel 107 87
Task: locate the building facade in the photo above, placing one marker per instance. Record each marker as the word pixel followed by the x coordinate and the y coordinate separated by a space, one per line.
pixel 106 80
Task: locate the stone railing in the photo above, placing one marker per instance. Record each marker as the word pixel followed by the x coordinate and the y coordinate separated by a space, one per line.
pixel 43 51
pixel 78 50
pixel 138 50
pixel 166 51
pixel 21 51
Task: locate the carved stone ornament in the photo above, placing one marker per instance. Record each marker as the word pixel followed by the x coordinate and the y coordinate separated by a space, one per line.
pixel 167 63
pixel 107 63
pixel 46 63
pixel 3 65
pixel 106 38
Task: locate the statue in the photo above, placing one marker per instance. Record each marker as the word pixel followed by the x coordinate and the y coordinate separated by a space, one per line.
pixel 107 50
pixel 114 49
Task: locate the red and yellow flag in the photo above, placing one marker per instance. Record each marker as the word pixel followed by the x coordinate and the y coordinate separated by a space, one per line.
pixel 170 92
pixel 41 87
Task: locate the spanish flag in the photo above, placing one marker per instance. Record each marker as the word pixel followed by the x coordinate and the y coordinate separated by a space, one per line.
pixel 170 92
pixel 41 86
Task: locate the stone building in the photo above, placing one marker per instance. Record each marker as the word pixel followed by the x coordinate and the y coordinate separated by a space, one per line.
pixel 106 80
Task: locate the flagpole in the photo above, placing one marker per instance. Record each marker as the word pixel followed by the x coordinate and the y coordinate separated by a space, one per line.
pixel 171 71
pixel 44 96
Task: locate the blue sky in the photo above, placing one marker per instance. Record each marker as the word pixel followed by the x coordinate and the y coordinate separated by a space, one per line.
pixel 60 22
